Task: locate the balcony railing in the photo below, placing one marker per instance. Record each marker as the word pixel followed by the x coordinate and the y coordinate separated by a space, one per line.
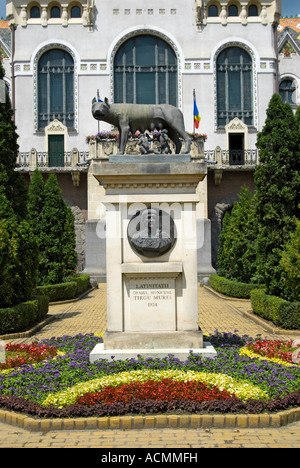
pixel 232 157
pixel 38 159
pixel 70 159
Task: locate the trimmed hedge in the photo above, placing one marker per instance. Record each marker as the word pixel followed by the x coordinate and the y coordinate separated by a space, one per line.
pixel 279 311
pixel 64 291
pixel 58 292
pixel 20 317
pixel 232 288
pixel 83 283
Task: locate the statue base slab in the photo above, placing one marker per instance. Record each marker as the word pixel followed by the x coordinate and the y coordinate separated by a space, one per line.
pixel 99 352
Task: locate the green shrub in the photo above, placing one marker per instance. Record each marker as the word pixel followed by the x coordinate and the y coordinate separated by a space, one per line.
pixel 55 226
pixel 290 263
pixel 73 287
pixel 18 257
pixel 43 306
pixel 59 292
pixel 277 180
pixel 22 316
pixel 279 311
pixel 232 288
pixel 237 250
pixel 83 283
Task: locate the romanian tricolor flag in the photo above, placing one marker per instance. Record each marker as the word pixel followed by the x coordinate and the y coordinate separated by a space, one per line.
pixel 197 117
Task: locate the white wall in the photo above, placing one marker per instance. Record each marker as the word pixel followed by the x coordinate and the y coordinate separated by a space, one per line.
pixel 196 50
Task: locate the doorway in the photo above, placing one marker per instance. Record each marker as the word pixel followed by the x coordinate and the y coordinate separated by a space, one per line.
pixel 236 148
pixel 56 145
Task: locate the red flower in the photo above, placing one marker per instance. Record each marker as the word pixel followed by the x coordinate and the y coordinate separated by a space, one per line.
pixel 26 354
pixel 166 390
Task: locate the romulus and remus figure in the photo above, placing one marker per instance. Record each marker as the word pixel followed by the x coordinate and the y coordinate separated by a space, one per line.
pixel 141 117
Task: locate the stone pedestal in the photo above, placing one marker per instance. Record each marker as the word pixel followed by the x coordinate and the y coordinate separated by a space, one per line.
pixel 152 292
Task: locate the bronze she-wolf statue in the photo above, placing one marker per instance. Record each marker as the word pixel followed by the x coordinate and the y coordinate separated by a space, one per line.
pixel 142 117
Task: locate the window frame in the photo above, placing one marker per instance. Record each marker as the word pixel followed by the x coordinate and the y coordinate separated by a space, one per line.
pixel 289 91
pixel 36 8
pixel 45 110
pixel 213 5
pixel 230 7
pixel 224 110
pixel 251 6
pixel 52 8
pixel 122 94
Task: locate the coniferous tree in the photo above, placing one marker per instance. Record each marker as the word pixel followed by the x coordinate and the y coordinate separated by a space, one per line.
pixel 69 243
pixel 290 263
pixel 56 234
pixel 18 249
pixel 12 181
pixel 277 187
pixel 237 251
pixel 36 201
pixel 18 256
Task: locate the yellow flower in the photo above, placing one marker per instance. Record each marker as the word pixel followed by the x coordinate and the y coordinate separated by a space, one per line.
pixel 242 389
pixel 247 352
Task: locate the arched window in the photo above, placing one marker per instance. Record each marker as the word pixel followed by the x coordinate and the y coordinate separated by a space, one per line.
pixel 145 72
pixel 287 91
pixel 252 10
pixel 56 88
pixel 75 12
pixel 213 11
pixel 55 12
pixel 234 86
pixel 233 10
pixel 35 12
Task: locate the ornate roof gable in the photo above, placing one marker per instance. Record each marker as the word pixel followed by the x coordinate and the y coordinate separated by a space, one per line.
pixel 289 42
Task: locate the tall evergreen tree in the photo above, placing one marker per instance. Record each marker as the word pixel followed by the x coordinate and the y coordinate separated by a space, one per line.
pixel 56 234
pixel 290 263
pixel 12 181
pixel 277 187
pixel 237 251
pixel 18 257
pixel 18 249
pixel 36 202
pixel 69 242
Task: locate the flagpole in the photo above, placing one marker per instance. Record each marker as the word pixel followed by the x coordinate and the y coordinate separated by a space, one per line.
pixel 194 97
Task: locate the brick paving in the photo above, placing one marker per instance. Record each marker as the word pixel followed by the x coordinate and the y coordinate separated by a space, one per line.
pixel 89 316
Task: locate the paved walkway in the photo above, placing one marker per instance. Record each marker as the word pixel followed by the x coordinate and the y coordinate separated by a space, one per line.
pixel 89 316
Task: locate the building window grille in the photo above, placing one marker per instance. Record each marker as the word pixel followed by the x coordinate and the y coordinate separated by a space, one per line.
pixel 252 10
pixel 287 91
pixel 233 10
pixel 213 11
pixel 55 12
pixel 56 88
pixel 234 86
pixel 75 12
pixel 35 12
pixel 145 72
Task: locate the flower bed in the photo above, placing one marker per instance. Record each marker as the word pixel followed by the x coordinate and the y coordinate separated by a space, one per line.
pixel 19 354
pixel 282 352
pixel 70 385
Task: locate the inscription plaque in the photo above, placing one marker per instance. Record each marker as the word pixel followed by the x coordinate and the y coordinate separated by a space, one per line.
pixel 152 304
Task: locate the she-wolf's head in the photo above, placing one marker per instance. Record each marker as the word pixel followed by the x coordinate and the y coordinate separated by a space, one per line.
pixel 100 109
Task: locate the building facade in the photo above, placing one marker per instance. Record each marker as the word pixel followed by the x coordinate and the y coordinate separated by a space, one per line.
pixel 63 54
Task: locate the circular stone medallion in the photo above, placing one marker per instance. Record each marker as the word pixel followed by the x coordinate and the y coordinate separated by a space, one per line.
pixel 151 232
